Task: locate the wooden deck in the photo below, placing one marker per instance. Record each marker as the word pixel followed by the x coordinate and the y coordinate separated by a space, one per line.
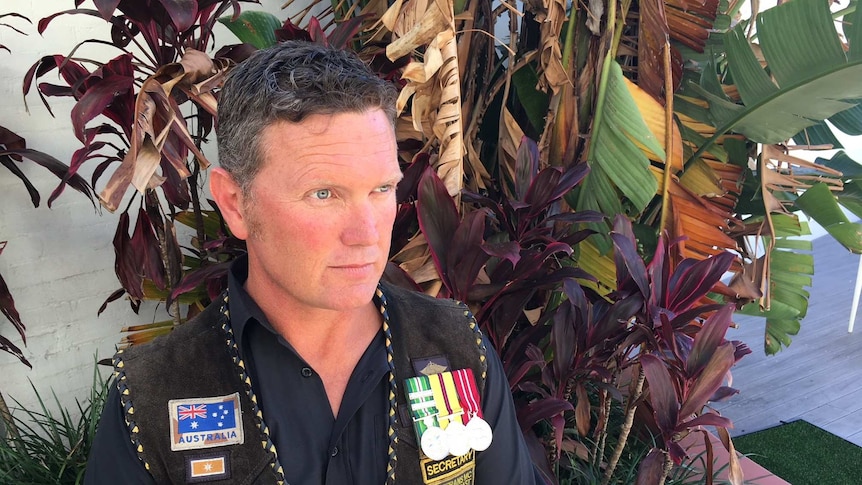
pixel 819 377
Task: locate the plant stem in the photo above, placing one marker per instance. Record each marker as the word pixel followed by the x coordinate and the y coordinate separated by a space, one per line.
pixel 6 416
pixel 668 465
pixel 599 450
pixel 626 428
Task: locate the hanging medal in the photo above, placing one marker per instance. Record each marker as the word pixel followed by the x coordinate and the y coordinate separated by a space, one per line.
pixel 451 411
pixel 478 431
pixel 423 407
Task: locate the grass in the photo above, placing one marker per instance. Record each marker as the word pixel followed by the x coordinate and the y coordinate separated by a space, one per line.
pixel 51 447
pixel 802 454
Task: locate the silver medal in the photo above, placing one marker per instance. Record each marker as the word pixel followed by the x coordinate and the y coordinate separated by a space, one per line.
pixel 456 435
pixel 434 443
pixel 479 434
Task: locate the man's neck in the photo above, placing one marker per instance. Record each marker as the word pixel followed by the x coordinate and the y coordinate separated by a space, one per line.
pixel 331 342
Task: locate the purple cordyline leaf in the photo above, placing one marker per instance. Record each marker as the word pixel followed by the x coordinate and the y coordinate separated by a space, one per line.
pixel 509 251
pixel 438 219
pixel 558 422
pixel 125 264
pixel 723 393
pixel 526 166
pixel 13 167
pixel 541 190
pixel 145 247
pixel 630 265
pixel 539 456
pixel 658 271
pixel 106 7
pixel 466 257
pixel 183 13
pixel 408 187
pixel 112 297
pixel 577 217
pixel 11 140
pixel 662 393
pixel 393 274
pixel 316 32
pixel 681 320
pixel 346 31
pixel 615 320
pixel 542 409
pixel 677 454
pixel 7 346
pixel 651 468
pixel 709 380
pixel 571 177
pixel 563 342
pixel 58 168
pixel 707 340
pixel 290 31
pixel 497 209
pixel 689 284
pixel 705 419
pixel 668 336
pixel 196 278
pixel 43 23
pixel 7 306
pixel 741 349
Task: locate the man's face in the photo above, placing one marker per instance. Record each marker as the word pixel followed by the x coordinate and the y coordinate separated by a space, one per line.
pixel 320 211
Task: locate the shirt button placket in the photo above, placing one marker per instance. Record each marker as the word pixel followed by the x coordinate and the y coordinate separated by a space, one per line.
pixel 307 372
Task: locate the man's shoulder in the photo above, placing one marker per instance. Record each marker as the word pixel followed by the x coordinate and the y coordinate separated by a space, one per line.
pixel 407 297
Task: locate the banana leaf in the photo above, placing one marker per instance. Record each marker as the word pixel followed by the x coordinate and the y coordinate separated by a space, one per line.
pixel 797 37
pixel 819 203
pixel 617 161
pixel 790 274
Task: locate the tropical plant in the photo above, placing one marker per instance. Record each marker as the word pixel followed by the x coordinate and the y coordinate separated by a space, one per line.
pixel 158 96
pixel 51 447
pixel 13 152
pixel 665 102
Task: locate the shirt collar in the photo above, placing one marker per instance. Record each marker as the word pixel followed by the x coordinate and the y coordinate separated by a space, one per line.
pixel 243 309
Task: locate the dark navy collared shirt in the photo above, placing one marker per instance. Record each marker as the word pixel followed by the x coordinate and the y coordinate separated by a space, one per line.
pixel 315 447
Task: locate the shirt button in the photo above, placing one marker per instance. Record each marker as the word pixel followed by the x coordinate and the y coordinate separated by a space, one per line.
pixel 334 451
pixel 306 372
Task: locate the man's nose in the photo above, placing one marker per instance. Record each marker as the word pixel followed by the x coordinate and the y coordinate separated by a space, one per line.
pixel 361 226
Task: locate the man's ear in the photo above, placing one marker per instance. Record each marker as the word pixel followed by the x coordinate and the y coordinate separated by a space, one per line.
pixel 229 198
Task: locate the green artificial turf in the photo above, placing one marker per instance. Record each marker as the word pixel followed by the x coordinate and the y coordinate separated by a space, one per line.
pixel 804 454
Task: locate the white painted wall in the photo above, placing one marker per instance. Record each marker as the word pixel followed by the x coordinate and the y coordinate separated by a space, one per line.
pixel 59 263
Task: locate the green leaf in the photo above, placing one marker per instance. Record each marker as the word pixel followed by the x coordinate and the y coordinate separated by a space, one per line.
pixel 818 134
pixel 253 27
pixel 849 168
pixel 534 102
pixel 613 151
pixel 813 78
pixel 819 204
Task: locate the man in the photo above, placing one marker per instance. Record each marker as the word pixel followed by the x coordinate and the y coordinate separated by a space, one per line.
pixel 303 372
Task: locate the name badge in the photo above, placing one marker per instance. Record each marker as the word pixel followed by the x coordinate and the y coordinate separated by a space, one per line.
pixel 455 470
pixel 205 422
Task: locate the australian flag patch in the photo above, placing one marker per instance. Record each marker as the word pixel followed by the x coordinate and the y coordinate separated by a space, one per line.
pixel 198 423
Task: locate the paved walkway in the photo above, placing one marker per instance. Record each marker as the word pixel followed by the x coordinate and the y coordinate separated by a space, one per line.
pixel 819 377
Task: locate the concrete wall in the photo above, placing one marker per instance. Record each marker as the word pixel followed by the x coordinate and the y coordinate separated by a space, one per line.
pixel 59 262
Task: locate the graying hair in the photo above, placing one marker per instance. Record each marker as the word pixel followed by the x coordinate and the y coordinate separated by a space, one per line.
pixel 289 82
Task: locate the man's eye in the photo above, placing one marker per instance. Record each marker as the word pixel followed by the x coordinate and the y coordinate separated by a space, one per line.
pixel 386 188
pixel 322 194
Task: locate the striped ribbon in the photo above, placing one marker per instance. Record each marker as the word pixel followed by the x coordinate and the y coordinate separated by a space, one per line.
pixel 423 406
pixel 465 386
pixel 446 395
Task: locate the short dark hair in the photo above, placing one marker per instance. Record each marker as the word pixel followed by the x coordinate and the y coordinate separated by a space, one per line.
pixel 288 82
